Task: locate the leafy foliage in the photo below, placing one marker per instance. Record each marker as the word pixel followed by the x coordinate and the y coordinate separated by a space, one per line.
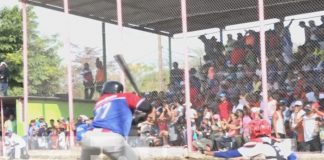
pixel 146 76
pixel 44 66
pixel 43 61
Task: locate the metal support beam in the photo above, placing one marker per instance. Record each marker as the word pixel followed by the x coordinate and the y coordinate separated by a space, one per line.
pixel 165 33
pixel 221 35
pixel 170 55
pixel 160 62
pixel 184 16
pixel 104 61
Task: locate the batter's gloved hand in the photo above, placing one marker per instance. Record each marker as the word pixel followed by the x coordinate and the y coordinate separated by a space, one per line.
pixel 139 117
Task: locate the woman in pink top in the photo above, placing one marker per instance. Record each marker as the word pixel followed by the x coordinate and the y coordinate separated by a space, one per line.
pixel 246 120
pixel 234 125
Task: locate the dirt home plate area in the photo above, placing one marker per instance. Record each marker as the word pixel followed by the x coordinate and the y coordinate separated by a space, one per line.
pixel 146 153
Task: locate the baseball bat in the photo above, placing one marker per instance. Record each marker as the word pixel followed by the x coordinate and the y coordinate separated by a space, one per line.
pixel 122 64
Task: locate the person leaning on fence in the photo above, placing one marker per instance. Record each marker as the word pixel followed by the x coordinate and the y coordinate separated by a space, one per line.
pixel 87 81
pixel 176 74
pixel 4 78
pixel 100 77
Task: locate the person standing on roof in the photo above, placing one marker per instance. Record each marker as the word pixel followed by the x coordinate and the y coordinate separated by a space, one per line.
pixel 4 79
pixel 87 81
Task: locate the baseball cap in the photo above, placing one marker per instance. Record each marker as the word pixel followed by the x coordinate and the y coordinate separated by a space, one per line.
pixel 283 102
pixel 3 63
pixel 216 116
pixel 9 132
pixel 308 106
pixel 222 95
pixel 255 109
pixel 84 117
pixel 321 95
pixel 298 103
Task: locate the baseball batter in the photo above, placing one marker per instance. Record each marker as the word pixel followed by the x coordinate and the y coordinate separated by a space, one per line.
pixel 112 123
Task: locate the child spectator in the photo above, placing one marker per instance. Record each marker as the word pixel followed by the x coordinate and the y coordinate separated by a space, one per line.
pixel 62 140
pixel 245 124
pixel 224 107
pixel 162 122
pixel 53 139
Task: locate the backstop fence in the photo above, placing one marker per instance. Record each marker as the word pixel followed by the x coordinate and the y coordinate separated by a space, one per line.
pixel 198 57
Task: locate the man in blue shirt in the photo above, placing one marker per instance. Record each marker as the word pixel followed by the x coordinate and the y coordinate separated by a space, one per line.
pixel 82 127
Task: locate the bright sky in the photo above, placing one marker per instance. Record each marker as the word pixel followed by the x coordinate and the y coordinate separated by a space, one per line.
pixel 140 46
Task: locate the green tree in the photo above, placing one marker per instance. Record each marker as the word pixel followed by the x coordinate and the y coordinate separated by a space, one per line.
pixel 43 61
pixel 151 82
pixel 45 71
pixel 146 76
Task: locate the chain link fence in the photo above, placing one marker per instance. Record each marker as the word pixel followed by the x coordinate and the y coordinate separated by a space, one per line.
pixel 225 75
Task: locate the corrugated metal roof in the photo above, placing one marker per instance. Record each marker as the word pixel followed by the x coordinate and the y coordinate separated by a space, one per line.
pixel 164 16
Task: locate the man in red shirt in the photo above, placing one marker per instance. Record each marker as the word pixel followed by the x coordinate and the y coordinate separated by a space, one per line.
pixel 224 107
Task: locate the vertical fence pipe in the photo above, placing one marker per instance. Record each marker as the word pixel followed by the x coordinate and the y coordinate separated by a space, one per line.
pixel 2 129
pixel 186 70
pixel 70 84
pixel 160 62
pixel 25 64
pixel 263 57
pixel 170 54
pixel 120 26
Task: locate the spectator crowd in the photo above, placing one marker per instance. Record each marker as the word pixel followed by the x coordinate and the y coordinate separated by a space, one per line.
pixel 54 135
pixel 225 93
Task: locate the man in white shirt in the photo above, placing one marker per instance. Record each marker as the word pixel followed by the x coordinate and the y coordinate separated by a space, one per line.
pixel 295 120
pixel 15 144
pixel 311 129
pixel 296 117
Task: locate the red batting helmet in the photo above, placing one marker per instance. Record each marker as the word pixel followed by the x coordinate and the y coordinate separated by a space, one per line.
pixel 259 127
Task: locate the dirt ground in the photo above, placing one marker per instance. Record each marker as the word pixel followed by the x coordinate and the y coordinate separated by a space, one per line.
pixel 153 153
